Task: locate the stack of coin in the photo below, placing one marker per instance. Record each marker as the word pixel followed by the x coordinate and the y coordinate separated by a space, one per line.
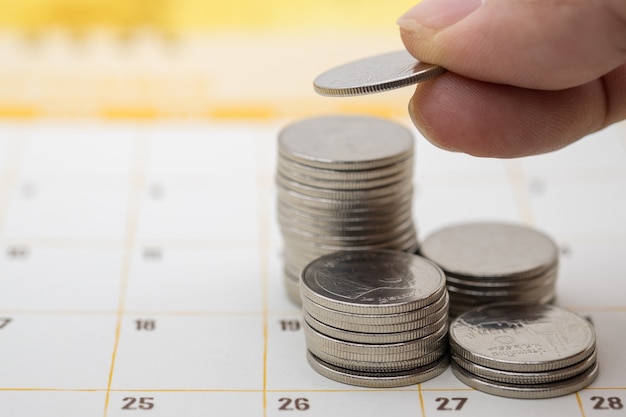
pixel 494 262
pixel 344 183
pixel 375 318
pixel 523 350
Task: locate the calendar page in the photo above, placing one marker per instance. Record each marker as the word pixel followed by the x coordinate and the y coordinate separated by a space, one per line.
pixel 141 263
pixel 141 271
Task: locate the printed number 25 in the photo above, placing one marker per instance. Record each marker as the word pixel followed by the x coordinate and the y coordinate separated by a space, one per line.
pixel 141 403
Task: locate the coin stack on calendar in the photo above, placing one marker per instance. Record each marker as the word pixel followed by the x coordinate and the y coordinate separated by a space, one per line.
pixel 344 183
pixel 375 318
pixel 521 350
pixel 488 262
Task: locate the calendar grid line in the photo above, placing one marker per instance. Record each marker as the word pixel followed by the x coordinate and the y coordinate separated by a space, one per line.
pixel 264 252
pixel 580 405
pixel 139 243
pixel 131 227
pixel 134 312
pixel 231 245
pixel 272 390
pixel 273 313
pixel 421 399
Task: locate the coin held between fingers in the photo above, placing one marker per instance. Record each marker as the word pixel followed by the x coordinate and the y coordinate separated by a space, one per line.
pixel 375 74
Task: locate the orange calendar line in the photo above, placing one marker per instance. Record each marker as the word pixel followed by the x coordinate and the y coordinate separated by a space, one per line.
pixel 580 405
pixel 132 225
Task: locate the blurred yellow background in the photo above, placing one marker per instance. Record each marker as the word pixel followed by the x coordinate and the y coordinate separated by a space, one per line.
pixel 184 15
pixel 153 59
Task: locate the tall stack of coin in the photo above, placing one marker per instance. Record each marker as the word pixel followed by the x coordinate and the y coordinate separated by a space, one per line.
pixel 523 350
pixel 375 318
pixel 344 183
pixel 494 262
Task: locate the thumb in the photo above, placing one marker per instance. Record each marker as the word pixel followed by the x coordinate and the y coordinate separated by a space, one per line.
pixel 548 45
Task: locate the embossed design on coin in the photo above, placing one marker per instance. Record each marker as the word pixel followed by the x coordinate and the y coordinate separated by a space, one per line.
pixel 543 337
pixel 374 318
pixel 384 280
pixel 523 350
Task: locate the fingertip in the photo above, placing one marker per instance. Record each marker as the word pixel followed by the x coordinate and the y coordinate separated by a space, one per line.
pixel 493 120
pixel 424 115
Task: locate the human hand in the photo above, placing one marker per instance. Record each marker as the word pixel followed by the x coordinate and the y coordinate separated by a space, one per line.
pixel 525 76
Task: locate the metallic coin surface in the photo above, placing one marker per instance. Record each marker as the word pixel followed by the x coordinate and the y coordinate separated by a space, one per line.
pixel 346 142
pixel 379 204
pixel 337 227
pixel 378 379
pixel 365 364
pixel 375 74
pixel 293 168
pixel 376 323
pixel 531 378
pixel 527 391
pixel 384 352
pixel 372 282
pixel 503 283
pixel 405 185
pixel 309 237
pixel 490 250
pixel 522 337
pixel 375 337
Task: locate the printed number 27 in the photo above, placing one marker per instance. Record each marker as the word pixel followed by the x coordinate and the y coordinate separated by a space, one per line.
pixel 446 403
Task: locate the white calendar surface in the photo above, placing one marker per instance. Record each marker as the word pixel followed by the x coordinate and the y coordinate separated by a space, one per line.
pixel 141 271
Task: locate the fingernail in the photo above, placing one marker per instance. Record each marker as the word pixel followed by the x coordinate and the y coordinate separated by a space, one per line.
pixel 437 14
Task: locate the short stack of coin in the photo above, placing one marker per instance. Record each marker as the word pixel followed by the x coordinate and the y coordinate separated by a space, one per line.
pixel 375 318
pixel 344 183
pixel 523 350
pixel 494 262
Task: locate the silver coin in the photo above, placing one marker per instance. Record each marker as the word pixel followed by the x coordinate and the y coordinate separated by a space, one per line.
pixel 336 227
pixel 405 185
pixel 348 239
pixel 341 188
pixel 504 293
pixel 522 337
pixel 403 243
pixel 398 351
pixel 534 391
pixel 470 302
pixel 502 283
pixel 364 364
pixel 376 337
pixel 378 379
pixel 402 167
pixel 380 204
pixel 346 142
pixel 328 222
pixel 379 323
pixel 375 74
pixel 490 250
pixel 528 378
pixel 369 212
pixel 372 282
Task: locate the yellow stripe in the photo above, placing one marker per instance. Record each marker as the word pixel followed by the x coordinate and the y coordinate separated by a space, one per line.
pixel 18 112
pixel 200 14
